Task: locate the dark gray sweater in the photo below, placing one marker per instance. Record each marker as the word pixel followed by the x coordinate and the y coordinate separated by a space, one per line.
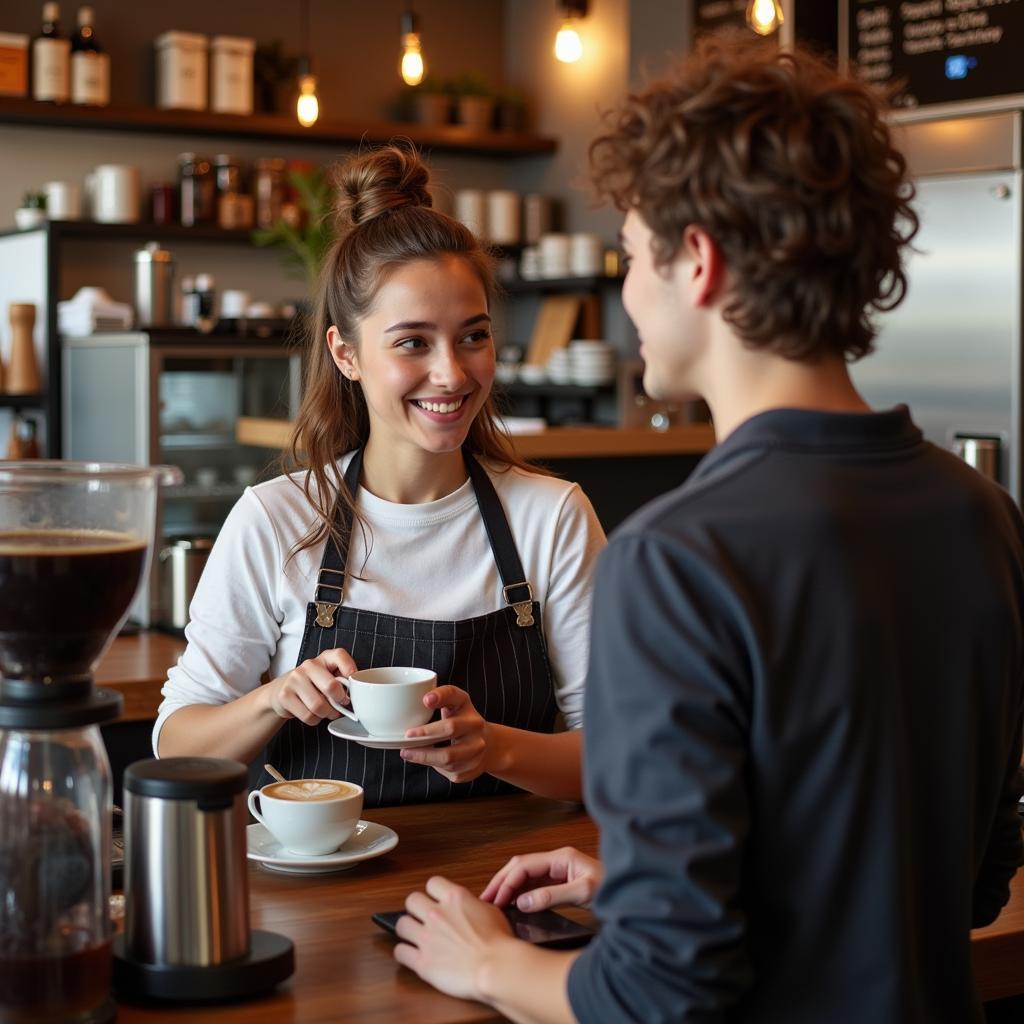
pixel 803 731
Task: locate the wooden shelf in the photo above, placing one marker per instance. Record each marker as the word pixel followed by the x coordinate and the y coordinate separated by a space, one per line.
pixel 555 443
pixel 269 128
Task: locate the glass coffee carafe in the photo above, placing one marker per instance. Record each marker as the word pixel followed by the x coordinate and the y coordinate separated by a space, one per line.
pixel 75 543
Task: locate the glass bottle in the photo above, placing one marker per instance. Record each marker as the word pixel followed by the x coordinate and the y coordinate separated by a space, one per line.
pixel 50 59
pixel 90 65
pixel 198 190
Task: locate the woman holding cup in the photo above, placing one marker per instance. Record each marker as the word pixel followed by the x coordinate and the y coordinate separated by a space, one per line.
pixel 411 536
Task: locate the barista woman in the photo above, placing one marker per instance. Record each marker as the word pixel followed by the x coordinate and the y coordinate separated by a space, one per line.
pixel 412 535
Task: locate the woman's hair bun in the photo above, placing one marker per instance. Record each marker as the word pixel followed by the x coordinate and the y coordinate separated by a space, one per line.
pixel 373 183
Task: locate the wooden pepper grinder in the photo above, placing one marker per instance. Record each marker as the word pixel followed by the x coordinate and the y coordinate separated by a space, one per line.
pixel 22 370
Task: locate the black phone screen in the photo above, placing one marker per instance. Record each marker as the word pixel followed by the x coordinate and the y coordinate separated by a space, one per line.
pixel 544 928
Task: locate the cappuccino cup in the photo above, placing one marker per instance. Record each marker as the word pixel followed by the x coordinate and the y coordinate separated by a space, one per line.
pixel 387 701
pixel 311 817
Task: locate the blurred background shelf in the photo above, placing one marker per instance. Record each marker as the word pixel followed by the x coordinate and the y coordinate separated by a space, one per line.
pixel 270 127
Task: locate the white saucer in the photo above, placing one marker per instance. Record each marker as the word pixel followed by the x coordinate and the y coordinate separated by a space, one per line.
pixel 346 729
pixel 368 840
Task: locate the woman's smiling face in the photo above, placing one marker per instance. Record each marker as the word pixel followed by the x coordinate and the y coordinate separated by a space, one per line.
pixel 424 357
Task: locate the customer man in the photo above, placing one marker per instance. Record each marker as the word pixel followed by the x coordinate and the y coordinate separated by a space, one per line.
pixel 803 715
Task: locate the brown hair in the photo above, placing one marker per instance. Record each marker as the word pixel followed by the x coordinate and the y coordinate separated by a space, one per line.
pixel 791 168
pixel 383 220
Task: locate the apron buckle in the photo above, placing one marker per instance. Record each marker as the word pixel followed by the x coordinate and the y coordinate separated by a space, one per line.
pixel 524 613
pixel 325 614
pixel 524 609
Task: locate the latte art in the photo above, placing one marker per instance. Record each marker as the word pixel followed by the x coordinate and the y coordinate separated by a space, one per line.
pixel 309 789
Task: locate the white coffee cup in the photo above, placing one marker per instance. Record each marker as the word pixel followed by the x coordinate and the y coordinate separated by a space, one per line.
pixel 311 817
pixel 63 200
pixel 113 191
pixel 387 701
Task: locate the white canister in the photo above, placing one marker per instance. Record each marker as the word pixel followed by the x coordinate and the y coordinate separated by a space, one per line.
pixel 503 217
pixel 554 255
pixel 233 303
pixel 231 80
pixel 471 209
pixel 181 71
pixel 113 191
pixel 586 254
pixel 63 200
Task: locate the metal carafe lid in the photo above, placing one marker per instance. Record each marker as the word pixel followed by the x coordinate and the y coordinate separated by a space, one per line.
pixel 152 253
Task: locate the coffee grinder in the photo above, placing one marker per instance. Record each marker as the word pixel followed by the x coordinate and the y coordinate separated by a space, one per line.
pixel 75 545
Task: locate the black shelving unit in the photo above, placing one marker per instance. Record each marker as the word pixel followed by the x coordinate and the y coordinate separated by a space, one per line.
pixel 37 401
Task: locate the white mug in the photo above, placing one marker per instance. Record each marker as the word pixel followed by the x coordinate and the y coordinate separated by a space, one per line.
pixel 387 701
pixel 63 200
pixel 113 191
pixel 309 825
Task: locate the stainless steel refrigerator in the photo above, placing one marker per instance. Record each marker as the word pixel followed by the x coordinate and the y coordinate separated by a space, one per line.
pixel 952 350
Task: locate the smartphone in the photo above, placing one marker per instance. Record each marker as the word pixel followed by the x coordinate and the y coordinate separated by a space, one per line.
pixel 544 928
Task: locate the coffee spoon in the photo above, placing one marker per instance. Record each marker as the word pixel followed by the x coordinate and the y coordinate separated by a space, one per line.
pixel 274 773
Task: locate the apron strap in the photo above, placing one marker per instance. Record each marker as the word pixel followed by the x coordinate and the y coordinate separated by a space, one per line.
pixel 332 569
pixel 516 588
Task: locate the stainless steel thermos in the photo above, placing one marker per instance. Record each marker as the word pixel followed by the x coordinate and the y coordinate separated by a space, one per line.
pixel 154 286
pixel 185 874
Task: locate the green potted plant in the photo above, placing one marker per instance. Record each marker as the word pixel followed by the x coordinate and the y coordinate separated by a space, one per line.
pixel 304 245
pixel 432 101
pixel 32 212
pixel 510 115
pixel 475 102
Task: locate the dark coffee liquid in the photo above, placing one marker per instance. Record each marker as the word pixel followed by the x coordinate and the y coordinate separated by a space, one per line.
pixel 54 988
pixel 61 594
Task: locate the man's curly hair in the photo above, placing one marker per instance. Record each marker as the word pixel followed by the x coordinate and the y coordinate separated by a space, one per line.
pixel 791 168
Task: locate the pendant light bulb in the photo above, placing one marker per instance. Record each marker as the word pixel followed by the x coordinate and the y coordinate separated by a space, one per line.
pixel 412 59
pixel 568 46
pixel 765 16
pixel 411 67
pixel 307 109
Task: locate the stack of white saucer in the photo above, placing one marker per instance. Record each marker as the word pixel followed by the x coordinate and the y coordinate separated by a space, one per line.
pixel 592 363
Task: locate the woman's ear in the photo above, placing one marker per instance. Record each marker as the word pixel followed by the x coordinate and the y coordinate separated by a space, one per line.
pixel 343 354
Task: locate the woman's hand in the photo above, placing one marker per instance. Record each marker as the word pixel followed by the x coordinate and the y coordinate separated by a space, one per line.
pixel 461 723
pixel 540 880
pixel 449 936
pixel 303 692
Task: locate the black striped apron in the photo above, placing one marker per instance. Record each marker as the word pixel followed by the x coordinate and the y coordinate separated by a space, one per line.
pixel 499 659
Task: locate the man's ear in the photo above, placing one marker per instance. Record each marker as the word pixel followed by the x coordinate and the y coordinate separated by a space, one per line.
pixel 343 354
pixel 703 265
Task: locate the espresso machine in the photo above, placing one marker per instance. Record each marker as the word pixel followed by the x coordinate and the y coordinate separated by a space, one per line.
pixel 75 545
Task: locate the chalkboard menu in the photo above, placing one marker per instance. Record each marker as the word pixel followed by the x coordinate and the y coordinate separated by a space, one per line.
pixel 939 51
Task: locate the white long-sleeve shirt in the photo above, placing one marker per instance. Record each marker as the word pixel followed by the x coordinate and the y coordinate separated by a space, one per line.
pixel 427 561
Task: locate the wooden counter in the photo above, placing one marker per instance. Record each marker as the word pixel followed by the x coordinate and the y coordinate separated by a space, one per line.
pixel 555 443
pixel 344 968
pixel 136 666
